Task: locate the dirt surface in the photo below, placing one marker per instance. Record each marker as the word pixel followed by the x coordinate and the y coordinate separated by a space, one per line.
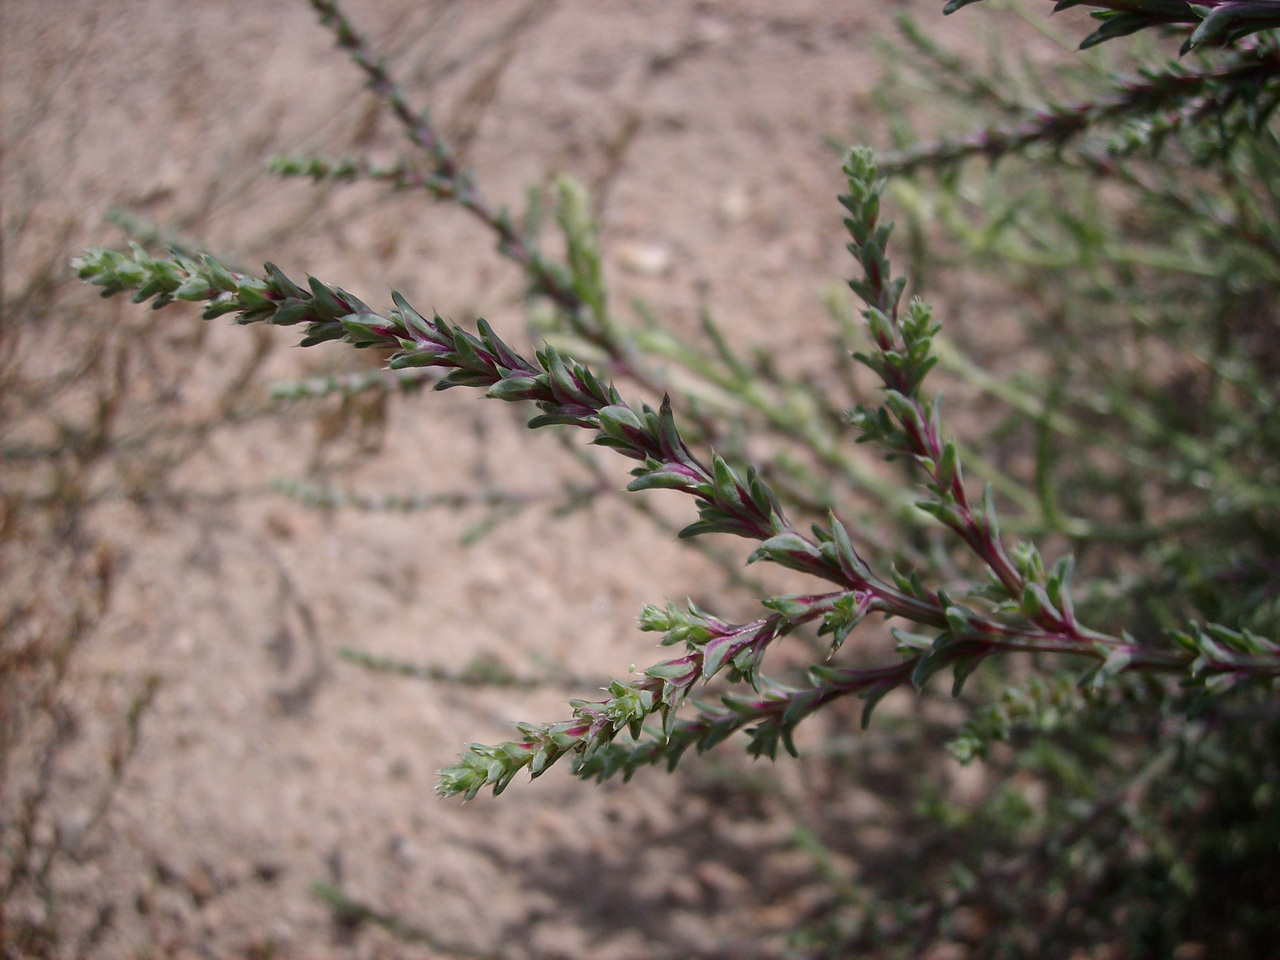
pixel 251 761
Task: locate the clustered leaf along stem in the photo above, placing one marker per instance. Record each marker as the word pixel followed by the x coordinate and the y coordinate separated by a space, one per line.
pixel 1031 611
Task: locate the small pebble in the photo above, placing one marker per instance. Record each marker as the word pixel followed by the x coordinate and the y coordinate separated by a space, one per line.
pixel 645 259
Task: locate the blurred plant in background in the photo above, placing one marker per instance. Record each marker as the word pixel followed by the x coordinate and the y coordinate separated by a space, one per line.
pixel 1128 735
pixel 96 427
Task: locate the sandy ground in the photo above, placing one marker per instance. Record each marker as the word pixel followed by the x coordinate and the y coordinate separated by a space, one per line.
pixel 263 763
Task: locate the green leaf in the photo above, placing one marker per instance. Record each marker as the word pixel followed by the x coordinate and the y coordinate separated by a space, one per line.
pixel 669 438
pixel 327 305
pixel 793 606
pixel 468 350
pixel 670 669
pixel 940 653
pixel 728 489
pixel 948 466
pixel 1035 600
pixel 516 388
pixel 872 698
pixel 661 479
pixel 852 564
pixel 414 322
pixel 963 668
pixel 788 549
pixel 714 654
pixel 1115 664
pixel 621 423
pixel 293 311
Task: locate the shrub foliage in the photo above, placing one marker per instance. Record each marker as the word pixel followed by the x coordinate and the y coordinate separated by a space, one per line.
pixel 1121 693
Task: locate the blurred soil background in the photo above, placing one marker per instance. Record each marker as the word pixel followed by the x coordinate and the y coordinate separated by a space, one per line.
pixel 185 755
